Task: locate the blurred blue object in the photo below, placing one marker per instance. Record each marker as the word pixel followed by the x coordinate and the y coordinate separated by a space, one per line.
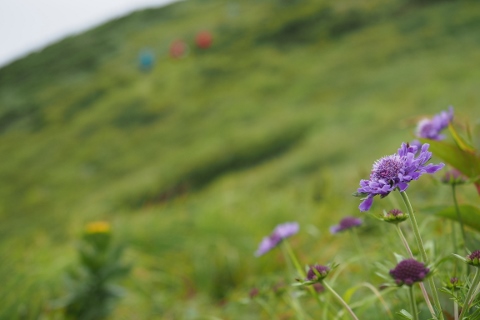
pixel 146 60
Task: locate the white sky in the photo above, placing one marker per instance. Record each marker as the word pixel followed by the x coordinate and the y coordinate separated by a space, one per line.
pixel 29 25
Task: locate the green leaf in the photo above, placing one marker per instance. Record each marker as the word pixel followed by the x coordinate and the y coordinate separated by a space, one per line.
pixel 464 161
pixel 470 214
pixel 464 145
pixel 405 314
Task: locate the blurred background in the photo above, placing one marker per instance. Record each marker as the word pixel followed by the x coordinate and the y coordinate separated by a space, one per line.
pixel 194 128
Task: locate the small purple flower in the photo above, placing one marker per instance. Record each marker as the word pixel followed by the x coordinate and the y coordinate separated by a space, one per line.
pixel 396 171
pixel 431 128
pixel 408 272
pixel 345 224
pixel 281 232
pixel 317 272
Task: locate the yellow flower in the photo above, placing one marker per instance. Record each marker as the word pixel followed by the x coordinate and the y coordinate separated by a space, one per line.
pixel 98 227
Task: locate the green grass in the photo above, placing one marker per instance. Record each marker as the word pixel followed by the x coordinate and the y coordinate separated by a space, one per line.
pixel 196 161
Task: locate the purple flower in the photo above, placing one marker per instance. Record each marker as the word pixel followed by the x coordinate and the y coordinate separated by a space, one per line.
pixel 345 224
pixel 317 272
pixel 431 128
pixel 408 272
pixel 280 232
pixel 396 171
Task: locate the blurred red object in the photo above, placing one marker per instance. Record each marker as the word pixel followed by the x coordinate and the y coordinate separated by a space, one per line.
pixel 204 39
pixel 178 49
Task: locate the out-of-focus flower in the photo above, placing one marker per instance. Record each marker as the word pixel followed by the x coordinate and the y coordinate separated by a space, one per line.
pixel 454 177
pixel 253 293
pixel 345 224
pixel 396 171
pixel 431 128
pixel 408 272
pixel 98 227
pixel 317 273
pixel 204 39
pixel 280 232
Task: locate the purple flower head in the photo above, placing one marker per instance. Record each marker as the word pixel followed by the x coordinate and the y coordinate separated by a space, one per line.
pixel 431 128
pixel 317 273
pixel 474 258
pixel 280 232
pixel 396 171
pixel 408 272
pixel 345 224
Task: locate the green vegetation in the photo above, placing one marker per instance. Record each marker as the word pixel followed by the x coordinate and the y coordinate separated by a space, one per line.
pixel 194 162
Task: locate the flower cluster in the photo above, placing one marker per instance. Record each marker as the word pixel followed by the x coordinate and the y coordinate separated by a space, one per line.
pixel 431 128
pixel 396 171
pixel 408 272
pixel 345 224
pixel 280 232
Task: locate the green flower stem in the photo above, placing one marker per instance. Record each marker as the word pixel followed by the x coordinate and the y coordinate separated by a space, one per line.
pixel 455 309
pixel 421 248
pixel 422 286
pixel 345 305
pixel 298 267
pixel 473 287
pixel 459 216
pixel 413 305
pixel 404 241
pixel 294 302
pixel 293 258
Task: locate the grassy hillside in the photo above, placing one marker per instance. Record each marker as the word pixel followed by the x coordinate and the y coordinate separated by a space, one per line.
pixel 195 161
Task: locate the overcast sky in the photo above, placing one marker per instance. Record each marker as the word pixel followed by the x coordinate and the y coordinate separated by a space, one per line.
pixel 29 25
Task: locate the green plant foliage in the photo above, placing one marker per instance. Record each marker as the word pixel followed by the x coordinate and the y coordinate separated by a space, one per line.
pixel 470 214
pixel 90 287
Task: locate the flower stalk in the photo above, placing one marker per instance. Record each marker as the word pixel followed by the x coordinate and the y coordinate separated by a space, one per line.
pixel 413 305
pixel 423 253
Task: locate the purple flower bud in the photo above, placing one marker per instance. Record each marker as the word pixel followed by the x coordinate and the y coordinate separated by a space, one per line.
pixel 454 177
pixel 408 272
pixel 474 258
pixel 317 273
pixel 395 216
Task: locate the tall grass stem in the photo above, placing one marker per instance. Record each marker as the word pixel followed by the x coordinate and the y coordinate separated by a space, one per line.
pixel 336 295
